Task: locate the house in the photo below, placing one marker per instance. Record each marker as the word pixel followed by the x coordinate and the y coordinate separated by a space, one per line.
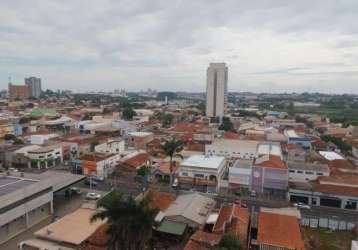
pixel 111 146
pixel 241 149
pixel 99 165
pixel 139 140
pixel 269 172
pixel 191 209
pixel 234 220
pixel 132 162
pixel 201 240
pixel 278 231
pixel 202 172
pixel 305 171
pixel 294 152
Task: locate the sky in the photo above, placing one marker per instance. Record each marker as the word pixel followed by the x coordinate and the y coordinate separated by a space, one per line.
pixel 268 45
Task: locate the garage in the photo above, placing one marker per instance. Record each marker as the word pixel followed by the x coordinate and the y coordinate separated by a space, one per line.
pixel 330 202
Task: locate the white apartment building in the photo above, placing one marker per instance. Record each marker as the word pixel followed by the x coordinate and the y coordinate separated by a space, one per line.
pixel 216 89
pixel 240 174
pixel 202 172
pixel 241 149
pixel 305 172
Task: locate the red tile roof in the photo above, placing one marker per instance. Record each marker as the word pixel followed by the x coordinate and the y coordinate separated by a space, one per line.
pixel 137 160
pixel 279 230
pixel 273 161
pixel 95 157
pixel 202 241
pixel 233 219
pixel 231 135
pixel 161 200
pixel 336 190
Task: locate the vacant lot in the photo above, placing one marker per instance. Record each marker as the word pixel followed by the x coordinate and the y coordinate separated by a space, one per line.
pixel 321 239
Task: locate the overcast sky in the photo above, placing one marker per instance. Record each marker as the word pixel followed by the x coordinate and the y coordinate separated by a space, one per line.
pixel 269 46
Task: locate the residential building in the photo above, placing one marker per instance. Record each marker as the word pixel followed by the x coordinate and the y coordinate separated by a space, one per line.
pixel 21 92
pixel 139 140
pixel 34 85
pixel 111 146
pixel 204 173
pixel 235 220
pixel 201 240
pixel 191 209
pixel 216 89
pixel 240 149
pixel 99 165
pixel 278 232
pixel 305 171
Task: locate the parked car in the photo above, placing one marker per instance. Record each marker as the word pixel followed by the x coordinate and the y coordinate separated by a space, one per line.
pixel 175 183
pixel 92 196
pixel 301 205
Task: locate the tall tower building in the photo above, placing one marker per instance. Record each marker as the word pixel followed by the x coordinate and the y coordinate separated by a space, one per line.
pixel 34 85
pixel 216 90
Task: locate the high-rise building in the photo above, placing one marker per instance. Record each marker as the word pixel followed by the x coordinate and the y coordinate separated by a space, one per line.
pixel 34 84
pixel 216 90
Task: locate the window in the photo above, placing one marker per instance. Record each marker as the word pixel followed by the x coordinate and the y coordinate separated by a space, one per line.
pixel 199 176
pixel 57 153
pixel 319 173
pixel 300 172
pixel 41 156
pixel 49 155
pixel 184 174
pixel 292 171
pixel 309 172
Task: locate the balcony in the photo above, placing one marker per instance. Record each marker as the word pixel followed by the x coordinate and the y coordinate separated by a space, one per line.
pixel 197 181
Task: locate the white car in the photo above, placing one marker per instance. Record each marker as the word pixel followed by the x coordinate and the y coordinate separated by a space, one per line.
pixel 301 205
pixel 92 196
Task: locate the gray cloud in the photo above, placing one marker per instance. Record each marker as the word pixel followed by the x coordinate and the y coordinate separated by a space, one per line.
pixel 84 44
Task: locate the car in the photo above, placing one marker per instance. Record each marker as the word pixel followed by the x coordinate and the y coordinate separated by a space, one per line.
pixel 253 193
pixel 175 183
pixel 92 196
pixel 13 170
pixel 301 205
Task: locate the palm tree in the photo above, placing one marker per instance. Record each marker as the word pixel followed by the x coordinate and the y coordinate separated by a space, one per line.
pixel 130 221
pixel 172 148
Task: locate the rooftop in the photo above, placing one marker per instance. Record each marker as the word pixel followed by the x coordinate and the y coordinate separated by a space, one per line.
pixel 279 230
pixel 307 166
pixel 202 161
pixel 10 184
pixel 235 143
pixel 74 228
pixel 329 155
pixel 140 134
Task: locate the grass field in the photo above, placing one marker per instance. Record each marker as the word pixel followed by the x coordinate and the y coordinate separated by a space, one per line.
pixel 322 239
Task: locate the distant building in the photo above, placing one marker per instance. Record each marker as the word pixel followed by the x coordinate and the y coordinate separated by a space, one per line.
pixel 21 92
pixel 34 85
pixel 216 90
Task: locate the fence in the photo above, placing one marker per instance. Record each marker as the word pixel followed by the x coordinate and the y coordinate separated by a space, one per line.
pixel 329 223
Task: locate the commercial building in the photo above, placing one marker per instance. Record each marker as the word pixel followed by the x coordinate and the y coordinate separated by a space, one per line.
pixel 240 149
pixel 100 165
pixel 26 199
pixel 21 92
pixel 202 172
pixel 34 85
pixel 240 175
pixel 216 90
pixel 269 172
pixel 304 171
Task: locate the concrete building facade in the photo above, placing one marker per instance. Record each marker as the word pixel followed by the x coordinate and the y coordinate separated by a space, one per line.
pixel 34 85
pixel 216 89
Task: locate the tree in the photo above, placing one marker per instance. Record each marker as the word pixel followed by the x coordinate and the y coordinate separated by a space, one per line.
pixel 128 113
pixel 9 137
pixel 229 242
pixel 130 222
pixel 143 171
pixel 172 148
pixel 167 120
pixel 343 146
pixel 226 124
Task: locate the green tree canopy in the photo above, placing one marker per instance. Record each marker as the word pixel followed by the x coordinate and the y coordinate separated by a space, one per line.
pixel 130 221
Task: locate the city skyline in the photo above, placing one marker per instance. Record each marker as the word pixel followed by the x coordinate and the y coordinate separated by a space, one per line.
pixel 275 46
